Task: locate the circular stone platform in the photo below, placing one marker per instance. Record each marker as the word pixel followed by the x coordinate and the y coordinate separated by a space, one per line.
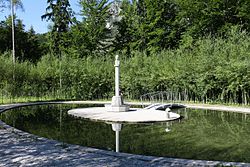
pixel 135 115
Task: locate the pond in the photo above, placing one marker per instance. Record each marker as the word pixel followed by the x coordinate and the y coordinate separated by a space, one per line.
pixel 201 134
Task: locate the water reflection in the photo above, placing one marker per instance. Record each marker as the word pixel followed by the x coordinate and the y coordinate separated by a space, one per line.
pixel 167 127
pixel 61 138
pixel 201 134
pixel 117 128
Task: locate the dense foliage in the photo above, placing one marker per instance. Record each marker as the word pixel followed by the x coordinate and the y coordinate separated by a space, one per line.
pixel 27 43
pixel 210 69
pixel 198 49
pixel 127 26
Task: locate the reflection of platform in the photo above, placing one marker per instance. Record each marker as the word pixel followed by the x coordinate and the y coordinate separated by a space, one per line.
pixel 133 116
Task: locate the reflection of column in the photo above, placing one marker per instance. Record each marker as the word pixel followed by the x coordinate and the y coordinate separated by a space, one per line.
pixel 167 113
pixel 60 124
pixel 117 141
pixel 167 127
pixel 117 128
pixel 167 110
pixel 60 119
pixel 186 114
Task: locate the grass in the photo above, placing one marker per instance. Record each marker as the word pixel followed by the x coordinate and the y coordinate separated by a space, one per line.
pixel 9 100
pixel 28 99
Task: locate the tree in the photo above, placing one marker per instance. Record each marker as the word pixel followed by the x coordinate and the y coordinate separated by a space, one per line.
pixel 126 27
pixel 32 48
pixel 92 34
pixel 155 24
pixel 5 38
pixel 26 43
pixel 14 4
pixel 212 17
pixel 60 13
pixel 147 25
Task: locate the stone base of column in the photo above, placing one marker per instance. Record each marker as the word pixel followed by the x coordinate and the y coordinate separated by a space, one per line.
pixel 117 105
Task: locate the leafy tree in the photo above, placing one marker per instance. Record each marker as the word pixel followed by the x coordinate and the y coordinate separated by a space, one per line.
pixel 92 33
pixel 60 13
pixel 33 49
pixel 147 25
pixel 155 24
pixel 126 27
pixel 43 43
pixel 26 44
pixel 5 37
pixel 200 18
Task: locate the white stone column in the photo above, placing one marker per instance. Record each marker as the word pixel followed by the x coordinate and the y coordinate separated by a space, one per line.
pixel 117 75
pixel 117 104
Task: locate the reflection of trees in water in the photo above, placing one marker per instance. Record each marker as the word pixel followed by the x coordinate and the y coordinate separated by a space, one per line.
pixel 53 122
pixel 201 134
pixel 221 134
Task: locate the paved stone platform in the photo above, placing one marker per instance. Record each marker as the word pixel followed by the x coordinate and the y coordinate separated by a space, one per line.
pixel 18 148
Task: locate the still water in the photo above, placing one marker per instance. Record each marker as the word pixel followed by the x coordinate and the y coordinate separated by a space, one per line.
pixel 201 134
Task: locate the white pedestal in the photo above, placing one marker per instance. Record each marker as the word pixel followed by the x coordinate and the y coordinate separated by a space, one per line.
pixel 117 101
pixel 117 105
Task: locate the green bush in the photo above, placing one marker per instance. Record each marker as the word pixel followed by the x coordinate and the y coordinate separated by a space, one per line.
pixel 208 70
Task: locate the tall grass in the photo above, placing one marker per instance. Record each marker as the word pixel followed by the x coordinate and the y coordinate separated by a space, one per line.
pixel 208 70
